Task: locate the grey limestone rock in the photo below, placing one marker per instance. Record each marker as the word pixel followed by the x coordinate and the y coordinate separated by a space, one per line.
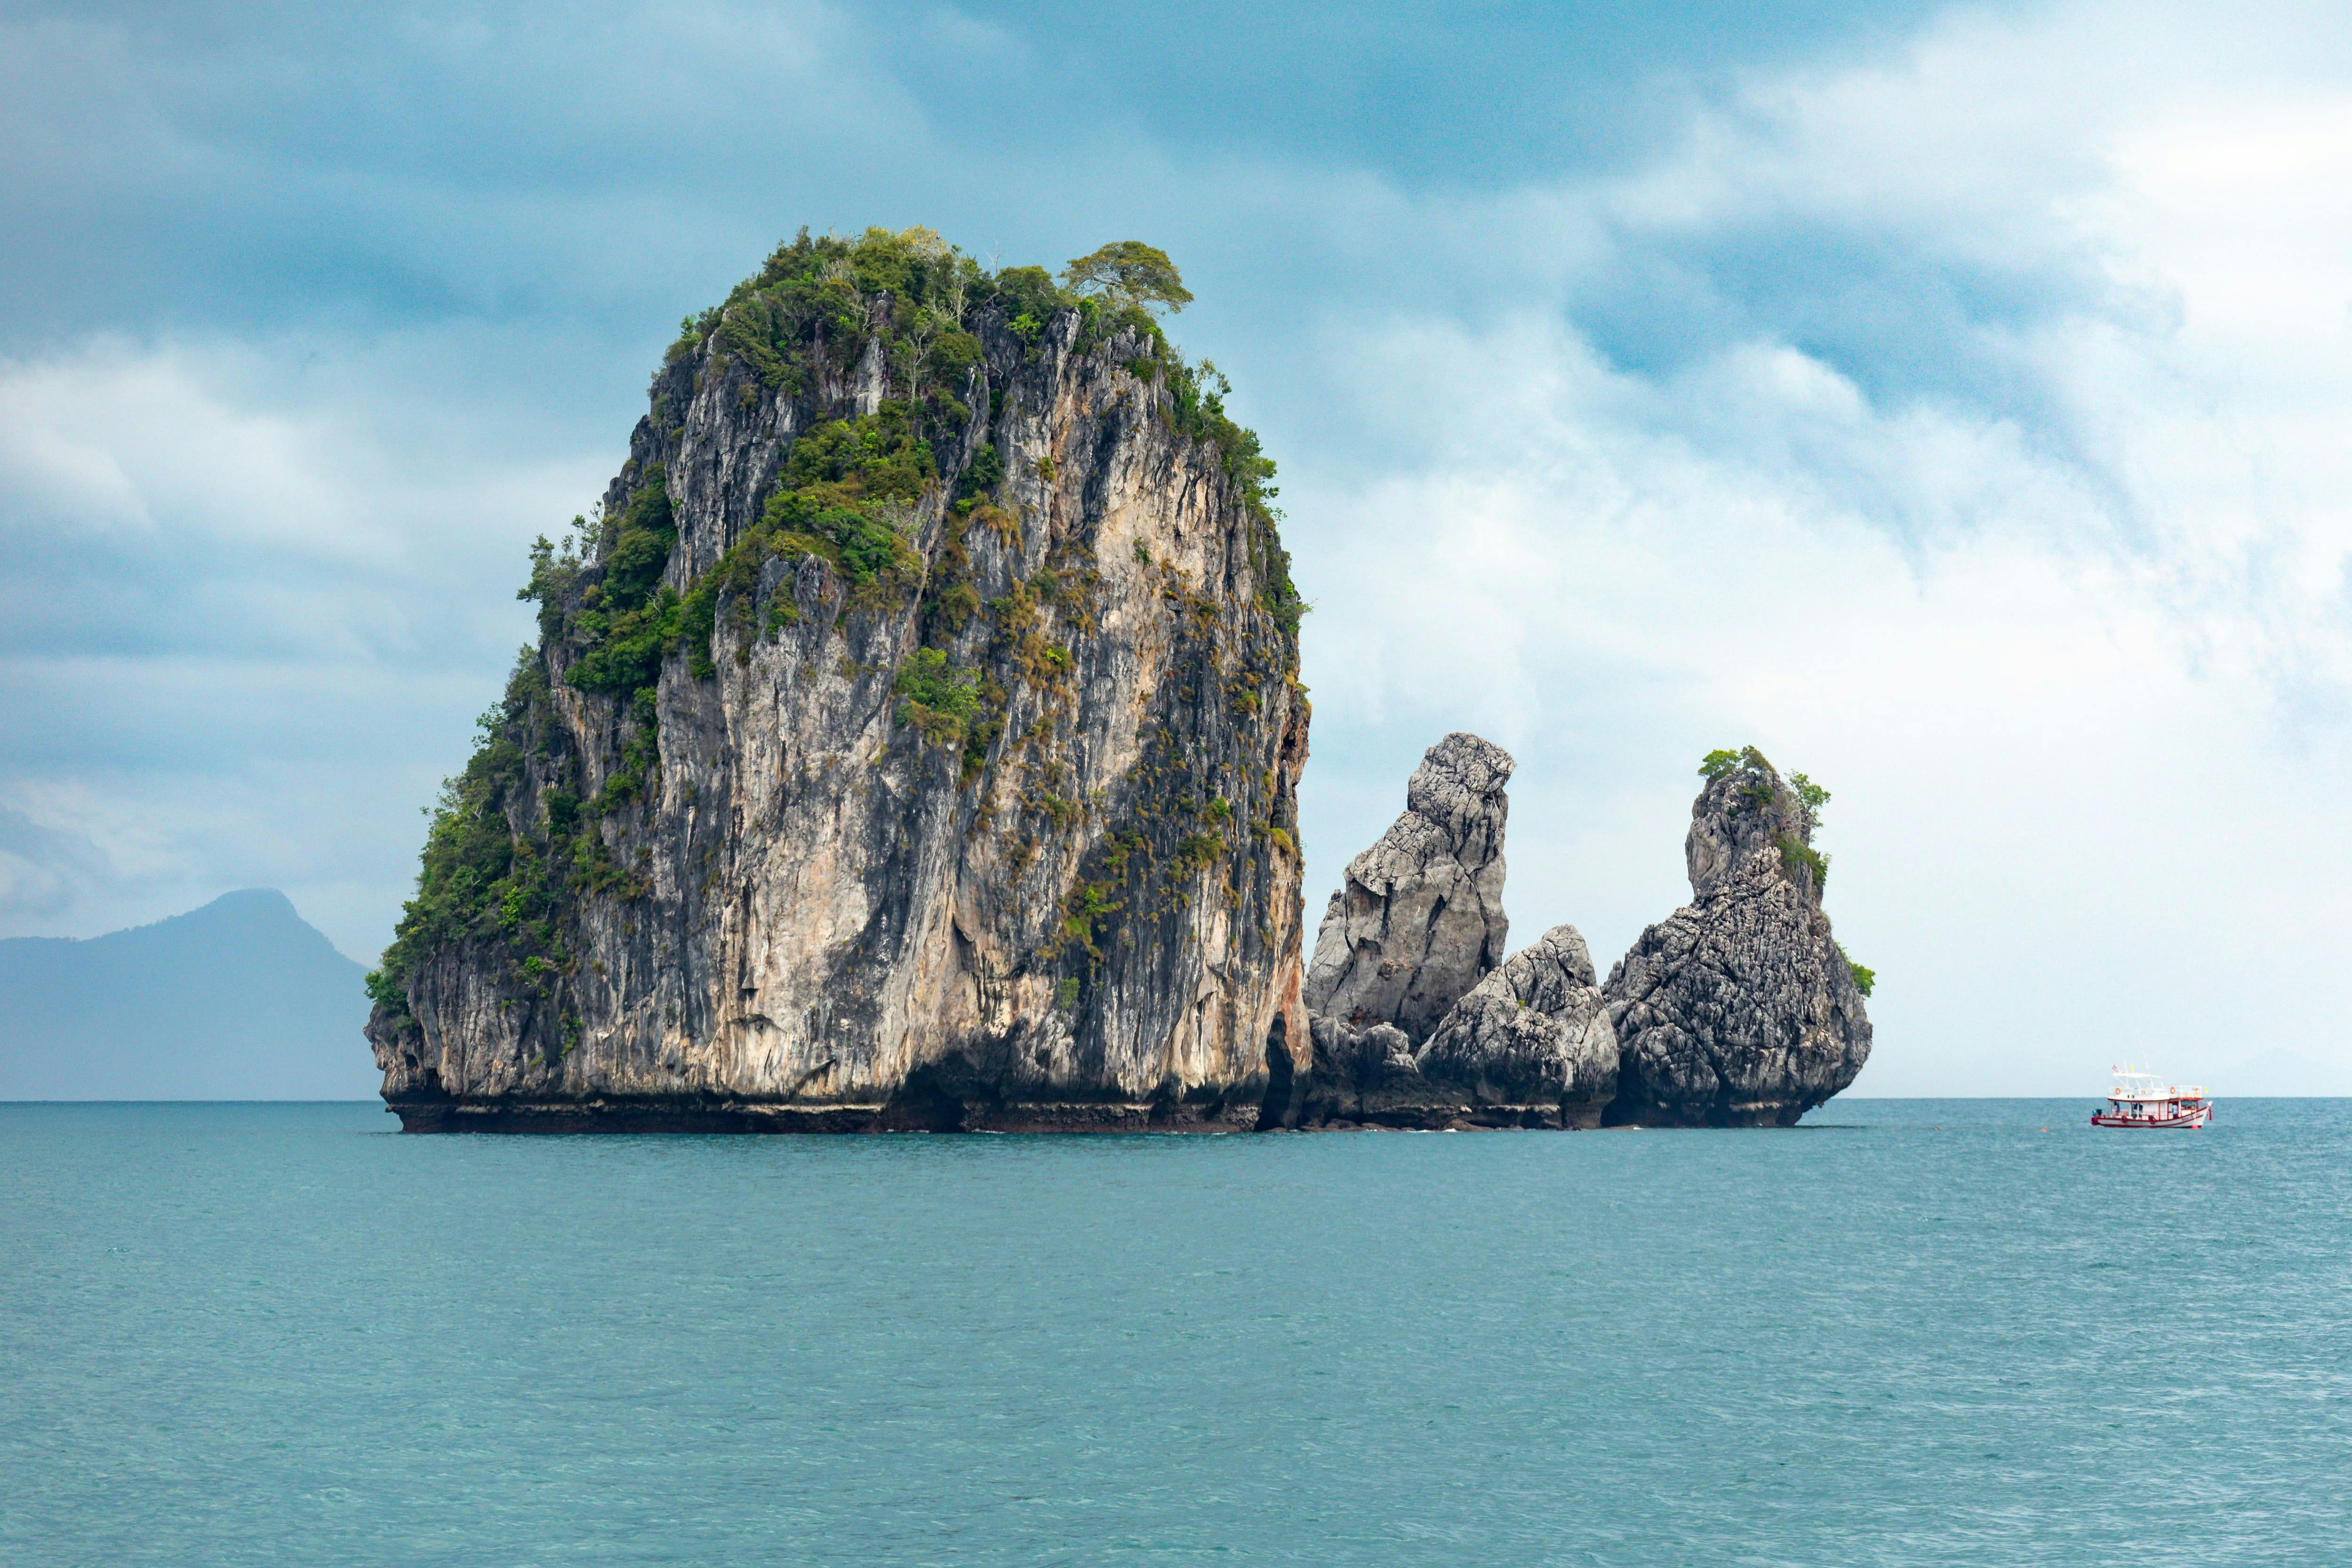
pixel 1738 1009
pixel 1529 1046
pixel 1414 1023
pixel 1420 918
pixel 1362 1076
pixel 993 825
pixel 1532 1040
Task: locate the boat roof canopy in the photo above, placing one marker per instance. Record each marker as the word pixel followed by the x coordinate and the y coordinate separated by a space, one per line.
pixel 2134 1085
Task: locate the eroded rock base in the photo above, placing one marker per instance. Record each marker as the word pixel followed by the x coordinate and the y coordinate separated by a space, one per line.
pixel 1623 1113
pixel 736 1117
pixel 1465 1118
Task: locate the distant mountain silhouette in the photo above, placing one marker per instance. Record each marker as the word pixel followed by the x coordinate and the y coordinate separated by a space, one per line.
pixel 238 1000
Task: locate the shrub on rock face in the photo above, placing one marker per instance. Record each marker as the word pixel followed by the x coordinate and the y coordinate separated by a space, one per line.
pixel 1741 1010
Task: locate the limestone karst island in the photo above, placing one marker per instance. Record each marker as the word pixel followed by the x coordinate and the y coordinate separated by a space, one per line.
pixel 912 741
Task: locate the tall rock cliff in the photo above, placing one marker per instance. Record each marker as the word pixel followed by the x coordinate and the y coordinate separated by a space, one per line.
pixel 914 741
pixel 1739 1010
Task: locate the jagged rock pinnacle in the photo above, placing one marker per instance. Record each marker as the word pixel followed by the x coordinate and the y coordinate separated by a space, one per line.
pixel 1420 918
pixel 1738 1009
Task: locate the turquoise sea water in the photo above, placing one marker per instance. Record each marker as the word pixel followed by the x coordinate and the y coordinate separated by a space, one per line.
pixel 1907 1332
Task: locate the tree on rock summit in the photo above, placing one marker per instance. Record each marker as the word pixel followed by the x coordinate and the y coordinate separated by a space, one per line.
pixel 1129 272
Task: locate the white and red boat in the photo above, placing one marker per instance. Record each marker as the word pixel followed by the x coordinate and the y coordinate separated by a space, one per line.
pixel 2145 1100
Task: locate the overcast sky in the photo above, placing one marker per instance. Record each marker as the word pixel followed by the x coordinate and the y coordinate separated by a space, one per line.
pixel 1953 402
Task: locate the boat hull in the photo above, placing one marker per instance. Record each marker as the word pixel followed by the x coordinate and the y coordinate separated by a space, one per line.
pixel 2197 1118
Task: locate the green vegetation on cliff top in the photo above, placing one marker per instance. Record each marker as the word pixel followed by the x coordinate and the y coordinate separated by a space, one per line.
pixel 1797 853
pixel 510 843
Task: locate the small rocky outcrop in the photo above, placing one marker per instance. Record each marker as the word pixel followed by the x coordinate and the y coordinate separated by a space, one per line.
pixel 1420 918
pixel 1359 1077
pixel 1414 1024
pixel 1739 1010
pixel 1532 1042
pixel 1529 1046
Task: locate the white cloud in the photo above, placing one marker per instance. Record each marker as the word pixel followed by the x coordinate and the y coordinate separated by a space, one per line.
pixel 2079 683
pixel 252 609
